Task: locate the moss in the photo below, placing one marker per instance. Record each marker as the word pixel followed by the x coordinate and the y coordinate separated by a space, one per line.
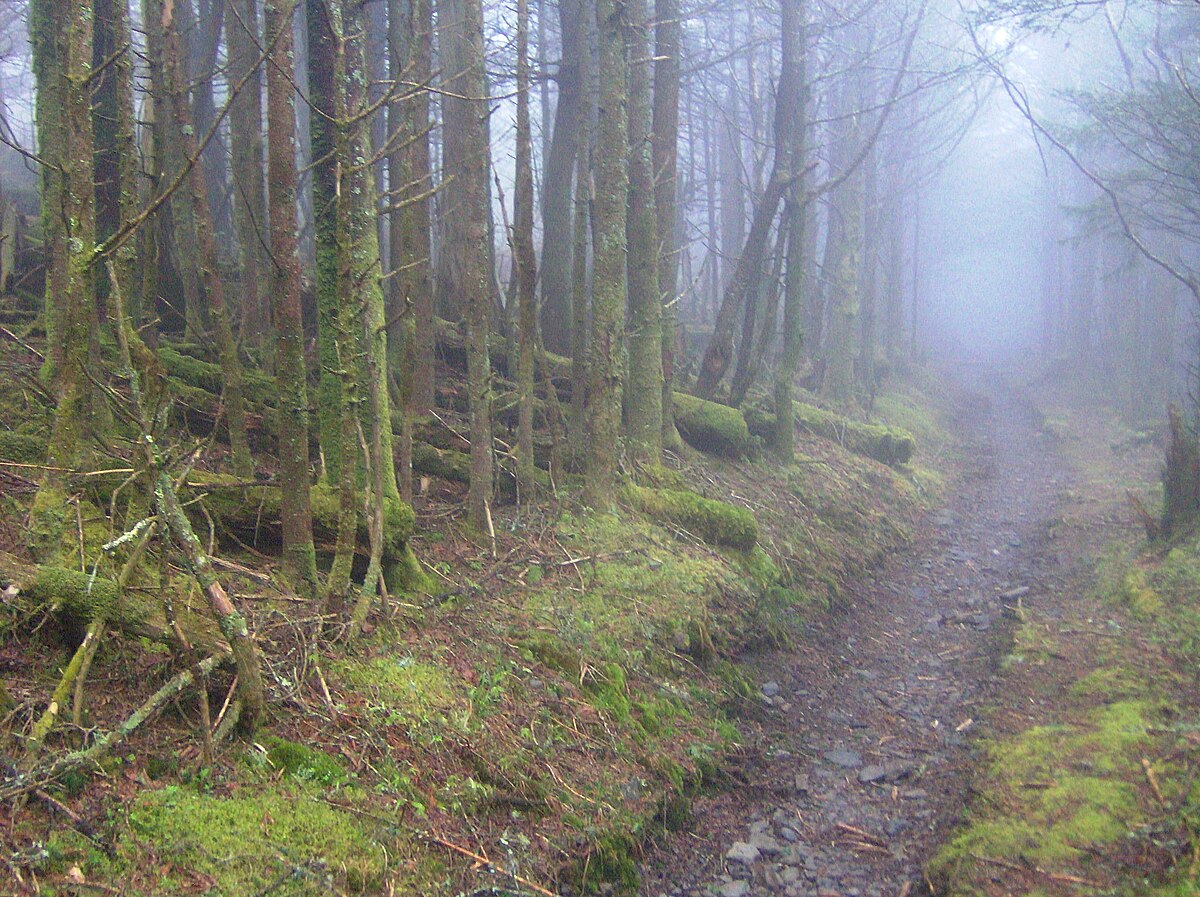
pixel 552 652
pixel 1108 684
pixel 1054 794
pixel 887 445
pixel 610 692
pixel 22 448
pixel 403 691
pixel 210 377
pixel 254 512
pixel 248 843
pixel 610 865
pixel 711 427
pixel 714 522
pixel 306 763
pixel 445 463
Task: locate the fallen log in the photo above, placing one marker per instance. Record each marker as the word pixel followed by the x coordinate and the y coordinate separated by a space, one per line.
pixel 712 427
pixel 81 598
pixel 887 445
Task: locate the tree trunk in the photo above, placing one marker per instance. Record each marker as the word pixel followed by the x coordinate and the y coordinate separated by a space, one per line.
pixel 242 36
pixel 409 183
pixel 609 246
pixel 644 387
pixel 467 221
pixel 569 119
pixel 62 41
pixel 795 75
pixel 321 88
pixel 206 250
pixel 719 353
pixel 668 47
pixel 524 260
pixel 299 558
pixel 870 277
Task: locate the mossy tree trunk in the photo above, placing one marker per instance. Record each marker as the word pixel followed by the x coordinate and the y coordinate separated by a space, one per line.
pixel 580 297
pixel 46 32
pixel 644 387
pixel 299 558
pixel 63 55
pixel 664 136
pixel 322 53
pixel 206 246
pixel 467 224
pixel 525 260
pixel 868 332
pixel 410 294
pixel 609 290
pixel 795 75
pixel 359 271
pixel 570 121
pixel 243 38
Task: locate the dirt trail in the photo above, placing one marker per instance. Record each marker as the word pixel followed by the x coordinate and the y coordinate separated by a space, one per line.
pixel 863 762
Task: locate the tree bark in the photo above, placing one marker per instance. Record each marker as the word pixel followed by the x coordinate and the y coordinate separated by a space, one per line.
pixel 467 227
pixel 570 116
pixel 409 183
pixel 206 248
pixel 299 557
pixel 644 387
pixel 606 351
pixel 242 37
pixel 524 259
pixel 322 126
pixel 63 54
pixel 668 48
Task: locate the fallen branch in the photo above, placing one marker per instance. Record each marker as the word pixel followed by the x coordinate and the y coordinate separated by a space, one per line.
pixel 41 776
pixel 488 864
pixel 1053 876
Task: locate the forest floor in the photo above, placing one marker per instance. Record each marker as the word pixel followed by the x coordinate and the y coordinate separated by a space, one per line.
pixel 590 698
pixel 979 716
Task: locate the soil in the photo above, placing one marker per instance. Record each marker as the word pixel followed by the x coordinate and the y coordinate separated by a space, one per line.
pixel 862 763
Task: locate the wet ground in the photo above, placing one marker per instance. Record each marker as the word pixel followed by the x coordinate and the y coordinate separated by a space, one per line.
pixel 863 765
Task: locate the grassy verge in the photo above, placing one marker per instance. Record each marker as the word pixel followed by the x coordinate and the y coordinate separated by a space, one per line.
pixel 1086 781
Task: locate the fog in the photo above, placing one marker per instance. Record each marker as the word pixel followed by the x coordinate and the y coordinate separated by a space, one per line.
pixel 1015 199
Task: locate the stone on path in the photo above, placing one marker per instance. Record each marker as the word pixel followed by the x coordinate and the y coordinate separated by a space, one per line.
pixel 872 773
pixel 742 852
pixel 844 758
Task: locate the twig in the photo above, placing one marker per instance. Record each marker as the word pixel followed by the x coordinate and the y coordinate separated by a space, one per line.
pixel 1152 778
pixel 40 776
pixel 484 861
pixel 1054 876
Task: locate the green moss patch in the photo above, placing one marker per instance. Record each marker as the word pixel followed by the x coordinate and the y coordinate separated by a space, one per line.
pixel 715 522
pixel 245 844
pixel 712 427
pixel 305 763
pixel 1055 794
pixel 887 445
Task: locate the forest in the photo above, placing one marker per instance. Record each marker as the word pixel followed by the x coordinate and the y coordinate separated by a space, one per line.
pixel 561 447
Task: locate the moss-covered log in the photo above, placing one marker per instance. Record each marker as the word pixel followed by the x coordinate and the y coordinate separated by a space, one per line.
pixel 714 522
pixel 887 445
pixel 441 462
pixel 712 427
pixel 210 377
pixel 81 598
pixel 252 513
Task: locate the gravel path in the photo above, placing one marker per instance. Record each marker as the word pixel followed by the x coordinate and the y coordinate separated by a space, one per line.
pixel 864 760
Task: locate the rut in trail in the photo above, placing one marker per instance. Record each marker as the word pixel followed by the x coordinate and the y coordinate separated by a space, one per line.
pixel 865 764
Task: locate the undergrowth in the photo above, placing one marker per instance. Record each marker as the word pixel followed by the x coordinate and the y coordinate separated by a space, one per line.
pixel 548 704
